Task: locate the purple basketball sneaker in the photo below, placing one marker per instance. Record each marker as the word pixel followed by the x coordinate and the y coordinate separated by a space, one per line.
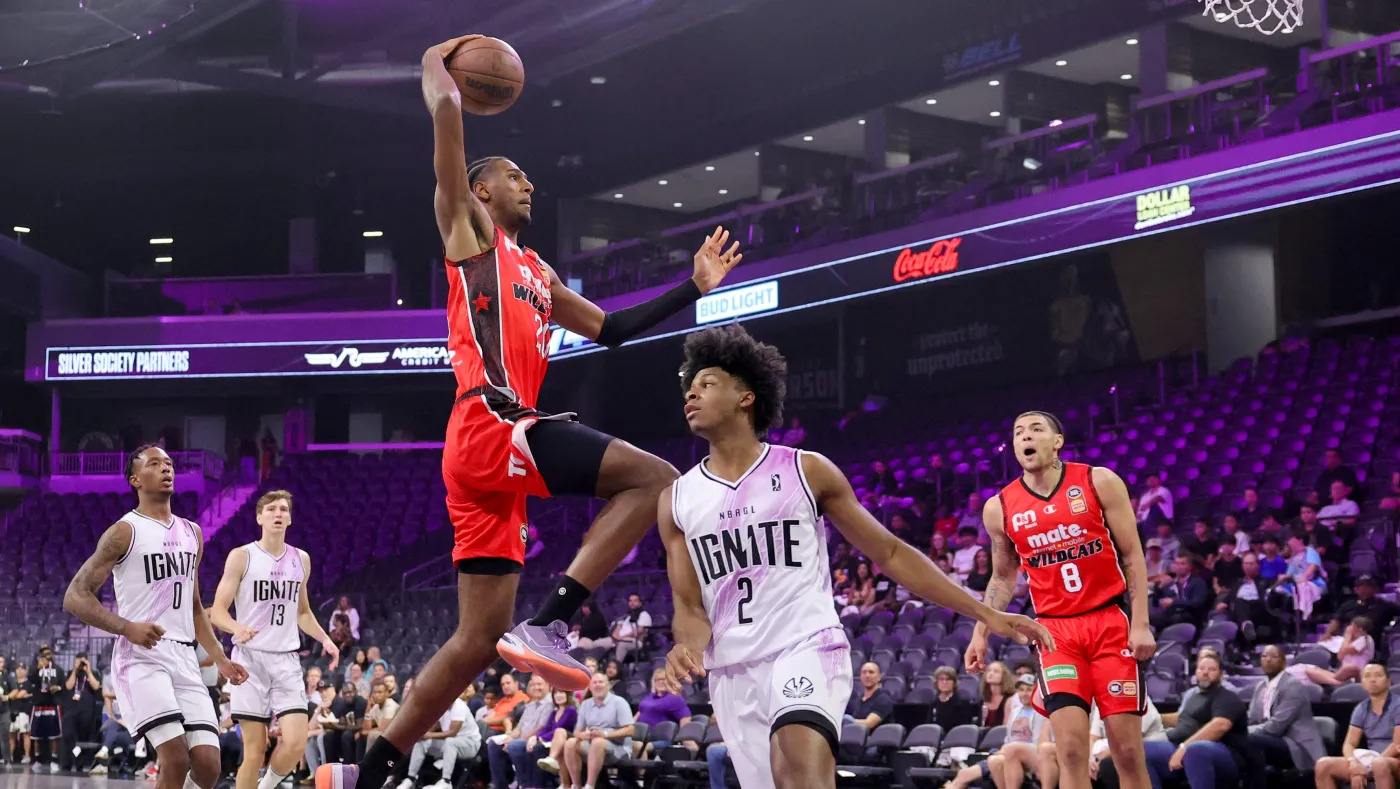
pixel 544 651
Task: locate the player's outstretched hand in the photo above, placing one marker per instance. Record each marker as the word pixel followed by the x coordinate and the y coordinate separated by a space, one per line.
pixel 683 664
pixel 1142 642
pixel 713 261
pixel 243 634
pixel 143 634
pixel 446 48
pixel 329 647
pixel 1022 630
pixel 233 672
pixel 975 658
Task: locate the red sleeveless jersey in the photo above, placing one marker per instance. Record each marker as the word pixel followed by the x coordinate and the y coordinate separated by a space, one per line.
pixel 1064 543
pixel 498 308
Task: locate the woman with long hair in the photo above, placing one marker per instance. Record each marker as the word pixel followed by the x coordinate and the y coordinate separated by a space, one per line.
pixel 981 574
pixel 998 689
pixel 550 741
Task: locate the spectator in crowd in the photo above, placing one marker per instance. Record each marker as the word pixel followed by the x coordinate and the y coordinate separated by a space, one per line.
pixel 871 705
pixel 1340 510
pixel 313 686
pixel 1310 528
pixel 1334 471
pixel 1230 532
pixel 1101 767
pixel 881 479
pixel 1245 602
pixel 7 686
pixel 1155 506
pixel 351 614
pixel 859 591
pixel 938 547
pixel 392 683
pixel 1185 598
pixel 1251 515
pixel 613 671
pixel 1269 527
pixel 356 676
pixel 511 696
pixel 82 708
pixel 883 593
pixel 949 707
pixel 1371 749
pixel 1304 580
pixel 1158 568
pixel 941 481
pixel 998 691
pixel 1026 736
pixel 360 659
pixel 1272 565
pixel 1208 740
pixel 1391 500
pixel 981 574
pixel 590 625
pixel 533 539
pixel 114 755
pixel 1281 726
pixel 1377 609
pixel 1166 537
pixel 662 704
pixel 602 736
pixel 966 554
pixel 452 739
pixel 591 665
pixel 340 734
pixel 487 702
pixel 21 707
pixel 629 631
pixel 503 750
pixel 550 741
pixel 378 713
pixel 44 723
pixel 1202 541
pixel 971 517
pixel 1357 649
pixel 341 634
pixel 322 713
pixel 794 435
pixel 1226 569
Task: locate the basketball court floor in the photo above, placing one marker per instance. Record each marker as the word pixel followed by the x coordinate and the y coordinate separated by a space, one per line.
pixel 14 779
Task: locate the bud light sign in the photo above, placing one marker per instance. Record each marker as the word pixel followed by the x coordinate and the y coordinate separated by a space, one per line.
pixel 737 303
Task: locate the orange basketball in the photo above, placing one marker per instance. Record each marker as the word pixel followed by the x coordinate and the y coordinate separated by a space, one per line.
pixel 489 75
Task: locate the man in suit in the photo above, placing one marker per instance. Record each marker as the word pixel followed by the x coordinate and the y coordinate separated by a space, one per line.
pixel 1282 732
pixel 1246 603
pixel 1185 598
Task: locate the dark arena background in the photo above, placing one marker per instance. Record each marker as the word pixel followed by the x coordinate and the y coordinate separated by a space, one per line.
pixel 1173 227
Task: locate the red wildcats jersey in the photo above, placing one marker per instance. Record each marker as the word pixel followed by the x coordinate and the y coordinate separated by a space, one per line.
pixel 1064 544
pixel 498 308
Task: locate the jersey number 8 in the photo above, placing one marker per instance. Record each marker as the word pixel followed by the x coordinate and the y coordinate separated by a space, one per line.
pixel 1069 573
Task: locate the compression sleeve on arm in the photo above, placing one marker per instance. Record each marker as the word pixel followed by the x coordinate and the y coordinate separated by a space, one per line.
pixel 624 324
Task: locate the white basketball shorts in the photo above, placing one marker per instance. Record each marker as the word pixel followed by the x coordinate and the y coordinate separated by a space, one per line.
pixel 161 685
pixel 274 687
pixel 808 683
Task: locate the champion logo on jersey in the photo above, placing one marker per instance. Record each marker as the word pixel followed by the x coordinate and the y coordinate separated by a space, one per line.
pixel 777 482
pixel 798 687
pixel 1049 509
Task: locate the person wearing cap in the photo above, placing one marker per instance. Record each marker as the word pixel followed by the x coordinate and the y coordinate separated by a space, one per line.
pixel 1379 610
pixel 949 707
pixel 1158 567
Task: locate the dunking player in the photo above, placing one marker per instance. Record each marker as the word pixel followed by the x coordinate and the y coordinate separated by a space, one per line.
pixel 1072 527
pixel 153 558
pixel 501 301
pixel 749 571
pixel 267 582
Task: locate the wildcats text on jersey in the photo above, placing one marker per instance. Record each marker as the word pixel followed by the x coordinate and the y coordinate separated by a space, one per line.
pixel 1050 558
pixel 718 555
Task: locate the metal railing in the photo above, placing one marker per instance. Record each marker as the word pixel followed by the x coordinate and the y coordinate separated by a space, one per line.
pixel 21 452
pixel 80 464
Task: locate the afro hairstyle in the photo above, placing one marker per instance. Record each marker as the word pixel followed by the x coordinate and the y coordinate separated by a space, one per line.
pixel 759 366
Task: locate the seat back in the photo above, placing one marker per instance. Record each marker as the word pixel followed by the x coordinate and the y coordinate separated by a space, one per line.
pixel 853 734
pixel 887 735
pixel 1327 727
pixel 993 739
pixel 665 730
pixel 694 731
pixel 964 736
pixel 1349 694
pixel 927 735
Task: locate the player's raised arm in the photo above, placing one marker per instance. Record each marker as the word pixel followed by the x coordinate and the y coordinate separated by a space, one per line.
pixel 1005 573
pixel 234 567
pixel 611 329
pixel 203 631
pixel 902 562
pixel 1122 525
pixel 306 618
pixel 465 226
pixel 81 598
pixel 690 627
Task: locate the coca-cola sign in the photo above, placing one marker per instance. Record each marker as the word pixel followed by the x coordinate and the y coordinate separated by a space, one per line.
pixel 940 258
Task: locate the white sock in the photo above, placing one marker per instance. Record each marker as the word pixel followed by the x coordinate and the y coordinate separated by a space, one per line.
pixel 189 782
pixel 271 778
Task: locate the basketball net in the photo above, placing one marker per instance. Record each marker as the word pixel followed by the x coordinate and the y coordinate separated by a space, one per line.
pixel 1266 16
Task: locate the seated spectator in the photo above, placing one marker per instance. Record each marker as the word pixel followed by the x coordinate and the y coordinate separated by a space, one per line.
pixel 1357 649
pixel 1185 598
pixel 602 736
pixel 1208 740
pixel 313 687
pixel 360 659
pixel 480 704
pixel 1340 510
pixel 341 634
pixel 546 747
pixel 662 704
pixel 881 479
pixel 859 591
pixel 981 574
pixel 1155 505
pixel 1027 749
pixel 1392 494
pixel 998 690
pixel 1313 532
pixel 1202 541
pixel 1270 527
pixel 1372 745
pixel 1166 536
pixel 793 435
pixel 378 713
pixel 1244 601
pixel 1226 569
pixel 510 696
pixel 971 516
pixel 1101 766
pixel 1271 562
pixel 321 714
pixel 966 553
pixel 356 676
pixel 351 614
pixel 1304 580
pixel 871 705
pixel 1251 515
pixel 533 539
pixel 116 740
pixel 718 765
pixel 452 739
pixel 1334 471
pixel 591 627
pixel 938 548
pixel 629 631
pixel 1158 568
pixel 884 592
pixel 1230 532
pixel 340 734
pixel 503 750
pixel 1281 727
pixel 1377 609
pixel 949 707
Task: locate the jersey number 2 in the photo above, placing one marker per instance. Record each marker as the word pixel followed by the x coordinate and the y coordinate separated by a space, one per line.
pixel 1069 573
pixel 746 588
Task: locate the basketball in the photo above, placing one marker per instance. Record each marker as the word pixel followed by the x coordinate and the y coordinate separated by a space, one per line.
pixel 489 75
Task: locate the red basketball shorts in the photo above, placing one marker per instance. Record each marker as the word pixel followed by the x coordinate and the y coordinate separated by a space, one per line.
pixel 489 472
pixel 1091 662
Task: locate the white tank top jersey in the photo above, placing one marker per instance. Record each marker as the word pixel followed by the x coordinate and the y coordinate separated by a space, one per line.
pixel 759 550
pixel 155 579
pixel 269 597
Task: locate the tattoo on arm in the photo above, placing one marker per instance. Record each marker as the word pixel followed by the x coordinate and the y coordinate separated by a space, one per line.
pixel 81 597
pixel 1003 581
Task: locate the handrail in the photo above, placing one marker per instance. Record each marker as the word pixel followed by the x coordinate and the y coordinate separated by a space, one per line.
pixel 249 278
pixel 616 246
pixel 1044 131
pixel 742 211
pixel 1351 49
pixel 1208 87
pixel 112 463
pixel 922 164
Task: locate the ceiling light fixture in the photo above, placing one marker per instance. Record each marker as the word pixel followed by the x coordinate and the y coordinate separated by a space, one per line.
pixel 994 83
pixel 677 205
pixel 709 168
pixel 807 138
pixel 598 80
pixel 1132 42
pixel 22 229
pixel 165 260
pixel 1056 122
pixel 557 103
pixel 755 153
pixel 373 234
pixel 995 114
pixel 930 102
pixel 1062 62
pixel 1030 163
pixel 617 195
pixel 724 191
pixel 861 122
pixel 1127 76
pixel 162 241
pixel 398 302
pixel 662 182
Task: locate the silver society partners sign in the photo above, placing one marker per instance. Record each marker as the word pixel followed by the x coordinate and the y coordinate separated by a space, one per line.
pixel 248 360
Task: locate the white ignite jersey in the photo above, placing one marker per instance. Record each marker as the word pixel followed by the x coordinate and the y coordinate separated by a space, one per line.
pixel 269 598
pixel 759 550
pixel 155 579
